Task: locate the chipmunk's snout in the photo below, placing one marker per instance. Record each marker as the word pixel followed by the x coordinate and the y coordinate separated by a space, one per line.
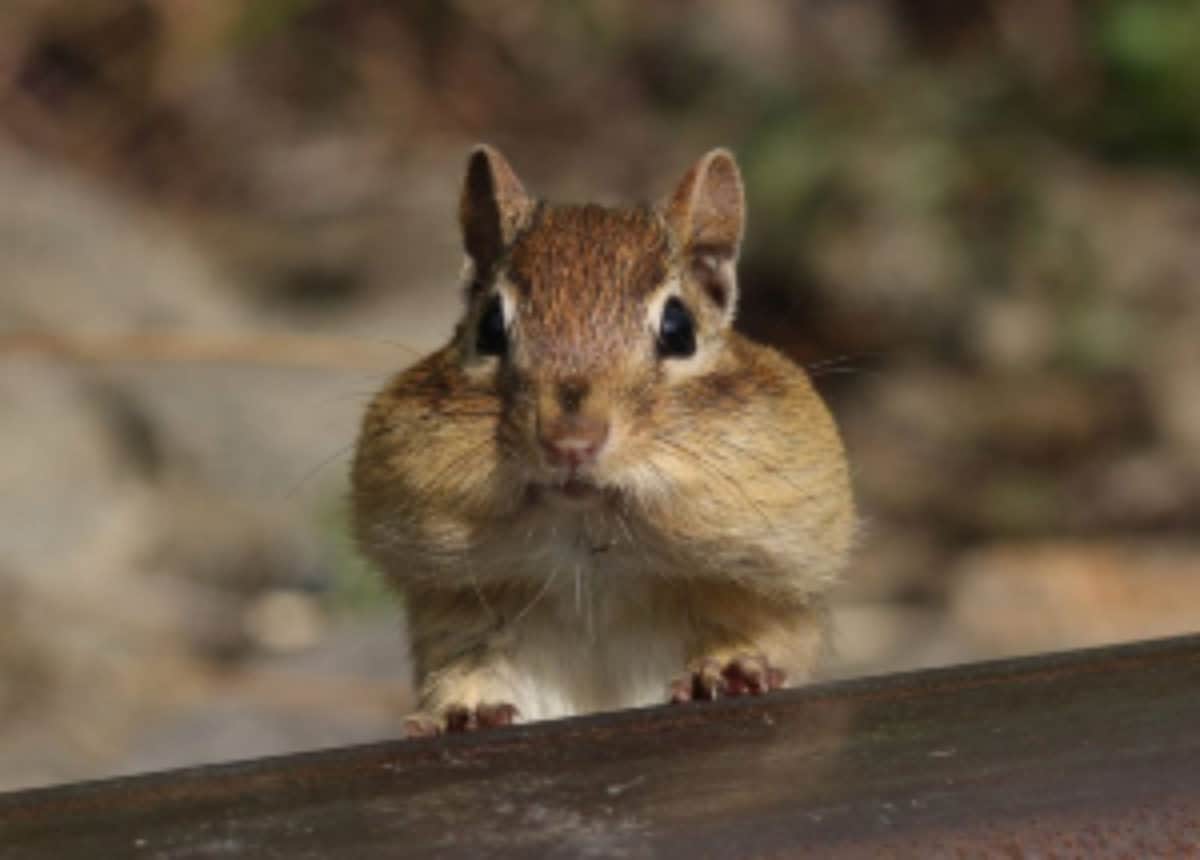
pixel 572 424
pixel 574 441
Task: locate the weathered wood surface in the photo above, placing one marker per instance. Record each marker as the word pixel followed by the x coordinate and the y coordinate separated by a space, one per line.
pixel 1090 754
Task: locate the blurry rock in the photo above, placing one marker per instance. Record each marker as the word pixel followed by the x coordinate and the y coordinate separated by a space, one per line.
pixel 89 641
pixel 1096 216
pixel 1036 416
pixel 909 437
pixel 1013 333
pixel 318 213
pixel 892 562
pixel 898 254
pixel 372 647
pixel 1020 599
pixel 82 82
pixel 218 540
pixel 994 453
pixel 141 511
pixel 1148 489
pixel 873 638
pixel 79 257
pixel 1173 380
pixel 1050 39
pixel 352 687
pixel 282 621
pixel 62 472
pixel 1012 502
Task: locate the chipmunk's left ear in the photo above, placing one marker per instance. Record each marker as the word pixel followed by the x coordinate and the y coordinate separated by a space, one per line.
pixel 707 214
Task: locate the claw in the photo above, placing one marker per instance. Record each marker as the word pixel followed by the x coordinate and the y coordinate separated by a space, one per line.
pixel 708 681
pixel 421 726
pixel 492 716
pixel 748 674
pixel 458 718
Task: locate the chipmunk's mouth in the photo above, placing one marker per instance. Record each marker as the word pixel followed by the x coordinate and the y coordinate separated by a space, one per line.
pixel 571 489
pixel 575 487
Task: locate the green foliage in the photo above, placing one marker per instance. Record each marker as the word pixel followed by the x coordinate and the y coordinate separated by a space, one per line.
pixel 1019 501
pixel 791 168
pixel 356 588
pixel 1149 53
pixel 263 18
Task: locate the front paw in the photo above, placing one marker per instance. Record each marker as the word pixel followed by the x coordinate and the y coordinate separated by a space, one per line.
pixel 459 718
pixel 709 678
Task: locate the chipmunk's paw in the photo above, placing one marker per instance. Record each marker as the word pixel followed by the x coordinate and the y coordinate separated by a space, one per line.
pixel 458 718
pixel 709 679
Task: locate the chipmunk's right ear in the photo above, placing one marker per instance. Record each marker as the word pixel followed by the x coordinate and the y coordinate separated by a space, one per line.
pixel 494 206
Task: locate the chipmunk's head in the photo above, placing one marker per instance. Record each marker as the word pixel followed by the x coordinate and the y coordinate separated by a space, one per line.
pixel 590 321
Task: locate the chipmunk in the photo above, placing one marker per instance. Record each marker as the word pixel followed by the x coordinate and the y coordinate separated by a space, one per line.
pixel 598 495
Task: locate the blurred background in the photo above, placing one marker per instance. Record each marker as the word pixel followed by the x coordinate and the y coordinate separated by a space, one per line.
pixel 224 224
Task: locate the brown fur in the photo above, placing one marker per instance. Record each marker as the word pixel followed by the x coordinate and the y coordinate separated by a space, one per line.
pixel 719 511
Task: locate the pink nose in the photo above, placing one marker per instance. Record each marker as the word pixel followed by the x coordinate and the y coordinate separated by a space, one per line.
pixel 574 441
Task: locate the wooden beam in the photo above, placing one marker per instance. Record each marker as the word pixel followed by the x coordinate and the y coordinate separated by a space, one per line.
pixel 1092 753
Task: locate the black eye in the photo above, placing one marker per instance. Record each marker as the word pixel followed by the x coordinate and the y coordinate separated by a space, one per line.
pixel 676 331
pixel 492 339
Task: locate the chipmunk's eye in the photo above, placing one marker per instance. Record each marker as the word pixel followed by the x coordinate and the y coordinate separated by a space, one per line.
pixel 676 331
pixel 491 338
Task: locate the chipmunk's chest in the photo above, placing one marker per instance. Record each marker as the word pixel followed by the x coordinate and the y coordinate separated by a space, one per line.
pixel 583 546
pixel 601 632
pixel 591 645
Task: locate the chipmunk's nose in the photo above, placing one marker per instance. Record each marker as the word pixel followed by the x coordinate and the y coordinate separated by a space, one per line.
pixel 574 440
pixel 571 394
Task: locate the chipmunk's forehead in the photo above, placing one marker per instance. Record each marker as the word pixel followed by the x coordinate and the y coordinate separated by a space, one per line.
pixel 582 276
pixel 590 253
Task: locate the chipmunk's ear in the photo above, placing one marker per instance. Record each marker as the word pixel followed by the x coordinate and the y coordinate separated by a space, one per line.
pixel 494 206
pixel 707 214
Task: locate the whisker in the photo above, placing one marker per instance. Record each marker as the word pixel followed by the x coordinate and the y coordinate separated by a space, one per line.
pixel 362 395
pixel 663 481
pixel 769 470
pixel 457 461
pixel 466 414
pixel 341 451
pixel 623 522
pixel 578 590
pixel 536 598
pixel 713 468
pixel 483 602
pixel 639 548
pixel 845 364
pixel 415 352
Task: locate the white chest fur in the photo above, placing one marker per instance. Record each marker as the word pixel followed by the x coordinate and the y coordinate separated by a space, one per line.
pixel 593 637
pixel 590 645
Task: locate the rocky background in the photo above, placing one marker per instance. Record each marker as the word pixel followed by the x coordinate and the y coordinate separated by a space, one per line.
pixel 223 223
